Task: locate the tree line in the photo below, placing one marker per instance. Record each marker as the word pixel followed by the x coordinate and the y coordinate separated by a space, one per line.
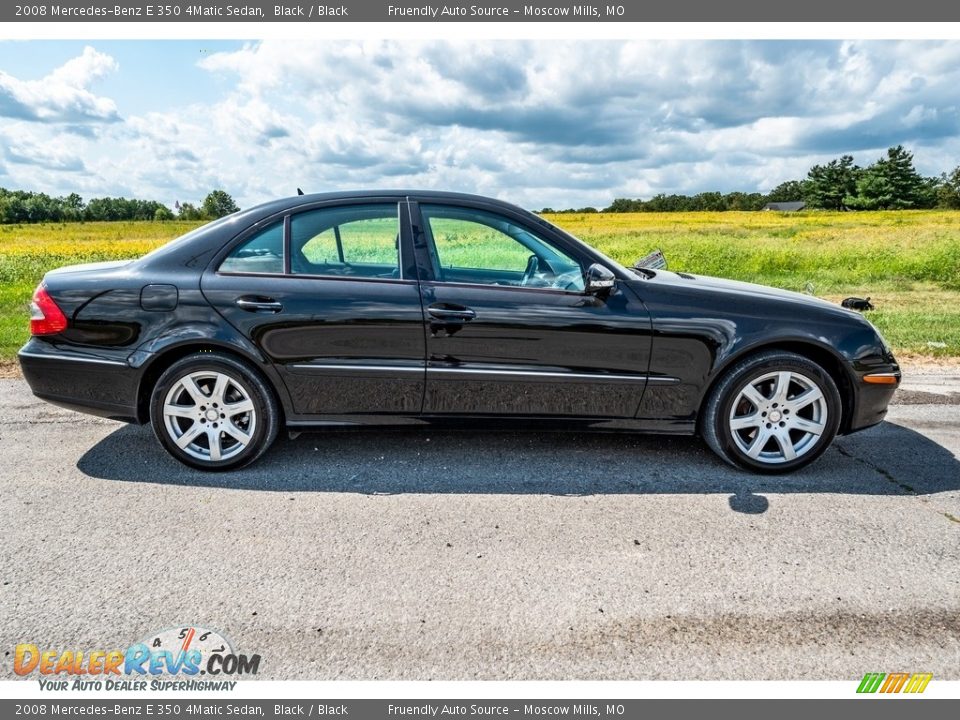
pixel 21 206
pixel 890 183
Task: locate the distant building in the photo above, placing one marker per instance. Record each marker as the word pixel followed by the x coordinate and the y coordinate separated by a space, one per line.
pixel 785 206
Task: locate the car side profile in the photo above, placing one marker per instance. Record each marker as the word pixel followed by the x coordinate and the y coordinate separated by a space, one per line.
pixel 384 308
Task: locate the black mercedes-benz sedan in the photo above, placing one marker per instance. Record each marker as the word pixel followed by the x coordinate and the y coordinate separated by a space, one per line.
pixel 403 307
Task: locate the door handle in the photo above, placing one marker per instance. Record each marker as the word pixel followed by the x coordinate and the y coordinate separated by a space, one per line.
pixel 259 304
pixel 451 314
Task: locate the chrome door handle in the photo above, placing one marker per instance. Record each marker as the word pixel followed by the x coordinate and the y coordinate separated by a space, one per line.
pixel 259 304
pixel 458 314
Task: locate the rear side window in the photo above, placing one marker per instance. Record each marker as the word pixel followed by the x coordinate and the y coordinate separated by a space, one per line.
pixel 262 253
pixel 359 240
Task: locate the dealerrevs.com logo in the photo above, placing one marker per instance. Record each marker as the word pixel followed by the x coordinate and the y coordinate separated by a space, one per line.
pixel 173 659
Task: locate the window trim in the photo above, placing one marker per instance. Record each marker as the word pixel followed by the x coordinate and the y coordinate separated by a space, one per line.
pixel 433 256
pixel 288 234
pixel 286 218
pixel 512 288
pixel 248 234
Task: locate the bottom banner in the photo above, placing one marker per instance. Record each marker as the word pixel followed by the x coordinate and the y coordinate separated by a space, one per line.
pixel 368 709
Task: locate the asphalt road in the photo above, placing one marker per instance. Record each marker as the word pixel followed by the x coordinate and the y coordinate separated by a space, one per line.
pixel 425 555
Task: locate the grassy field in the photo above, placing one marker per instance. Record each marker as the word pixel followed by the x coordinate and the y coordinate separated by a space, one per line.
pixel 908 262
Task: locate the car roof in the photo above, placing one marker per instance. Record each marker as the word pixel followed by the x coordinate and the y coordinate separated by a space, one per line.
pixel 296 200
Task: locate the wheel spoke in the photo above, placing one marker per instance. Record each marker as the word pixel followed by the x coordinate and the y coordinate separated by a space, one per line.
pixel 746 421
pixel 213 435
pixel 219 388
pixel 184 411
pixel 189 436
pixel 786 445
pixel 759 442
pixel 810 426
pixel 805 398
pixel 754 396
pixel 237 408
pixel 233 431
pixel 781 387
pixel 193 389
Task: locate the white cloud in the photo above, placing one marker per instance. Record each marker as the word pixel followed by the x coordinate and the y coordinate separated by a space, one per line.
pixel 63 95
pixel 540 123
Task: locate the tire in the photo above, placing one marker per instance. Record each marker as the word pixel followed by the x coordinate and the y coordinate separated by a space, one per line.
pixel 212 411
pixel 772 413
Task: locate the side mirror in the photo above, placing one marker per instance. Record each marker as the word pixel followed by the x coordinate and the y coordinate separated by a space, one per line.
pixel 599 280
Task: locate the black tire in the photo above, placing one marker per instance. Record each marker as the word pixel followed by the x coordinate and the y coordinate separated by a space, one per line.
pixel 716 422
pixel 241 384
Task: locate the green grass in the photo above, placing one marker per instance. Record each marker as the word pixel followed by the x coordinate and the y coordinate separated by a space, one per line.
pixel 908 262
pixel 28 251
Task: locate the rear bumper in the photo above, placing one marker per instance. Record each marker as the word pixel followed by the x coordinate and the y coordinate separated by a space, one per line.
pixel 106 387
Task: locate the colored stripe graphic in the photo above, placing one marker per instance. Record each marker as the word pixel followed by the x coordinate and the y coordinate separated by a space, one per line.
pixel 918 682
pixel 894 683
pixel 870 682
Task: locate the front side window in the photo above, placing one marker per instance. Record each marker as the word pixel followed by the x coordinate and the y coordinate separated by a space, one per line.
pixel 262 253
pixel 479 247
pixel 359 240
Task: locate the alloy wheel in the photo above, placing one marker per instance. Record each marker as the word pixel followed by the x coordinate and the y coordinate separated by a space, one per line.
pixel 778 417
pixel 209 415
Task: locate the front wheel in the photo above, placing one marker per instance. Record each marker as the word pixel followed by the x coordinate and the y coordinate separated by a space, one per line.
pixel 774 412
pixel 213 412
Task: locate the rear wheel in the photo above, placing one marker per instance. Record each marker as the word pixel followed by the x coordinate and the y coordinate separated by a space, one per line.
pixel 773 412
pixel 213 412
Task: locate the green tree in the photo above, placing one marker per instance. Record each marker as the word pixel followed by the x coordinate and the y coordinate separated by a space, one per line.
pixel 891 183
pixel 948 190
pixel 188 211
pixel 217 204
pixel 162 214
pixel 828 186
pixel 789 191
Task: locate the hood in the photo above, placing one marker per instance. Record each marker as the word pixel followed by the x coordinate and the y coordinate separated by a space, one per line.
pixel 745 288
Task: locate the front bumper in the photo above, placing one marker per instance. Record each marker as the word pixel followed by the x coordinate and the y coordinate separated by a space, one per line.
pixel 93 384
pixel 871 400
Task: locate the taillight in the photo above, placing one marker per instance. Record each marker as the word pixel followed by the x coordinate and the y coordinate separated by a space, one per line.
pixel 45 317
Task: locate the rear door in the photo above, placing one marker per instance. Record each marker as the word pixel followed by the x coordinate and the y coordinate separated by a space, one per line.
pixel 330 295
pixel 510 330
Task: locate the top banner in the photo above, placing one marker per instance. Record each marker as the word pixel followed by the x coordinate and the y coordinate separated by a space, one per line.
pixel 487 11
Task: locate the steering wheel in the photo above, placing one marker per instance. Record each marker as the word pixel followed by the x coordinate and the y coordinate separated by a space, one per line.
pixel 533 265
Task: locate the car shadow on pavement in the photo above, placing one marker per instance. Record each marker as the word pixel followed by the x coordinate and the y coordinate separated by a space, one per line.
pixel 886 460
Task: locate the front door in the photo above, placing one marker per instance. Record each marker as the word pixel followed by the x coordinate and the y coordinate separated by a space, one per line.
pixel 330 296
pixel 510 330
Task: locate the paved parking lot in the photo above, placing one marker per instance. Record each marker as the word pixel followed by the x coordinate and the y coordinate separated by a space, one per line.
pixel 421 555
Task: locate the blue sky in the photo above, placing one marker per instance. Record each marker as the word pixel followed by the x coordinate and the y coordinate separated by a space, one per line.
pixel 541 123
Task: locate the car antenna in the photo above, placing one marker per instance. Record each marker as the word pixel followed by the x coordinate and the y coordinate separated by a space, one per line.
pixel 299 191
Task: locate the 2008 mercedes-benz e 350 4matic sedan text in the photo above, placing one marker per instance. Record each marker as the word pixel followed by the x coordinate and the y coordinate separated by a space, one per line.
pixel 411 308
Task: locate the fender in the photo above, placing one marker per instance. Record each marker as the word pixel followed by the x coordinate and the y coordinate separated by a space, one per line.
pixel 152 356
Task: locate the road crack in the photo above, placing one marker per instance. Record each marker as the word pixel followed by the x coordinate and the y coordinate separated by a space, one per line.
pixel 889 477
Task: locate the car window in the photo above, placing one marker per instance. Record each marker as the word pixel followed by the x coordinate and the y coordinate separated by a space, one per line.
pixel 476 246
pixel 361 240
pixel 262 253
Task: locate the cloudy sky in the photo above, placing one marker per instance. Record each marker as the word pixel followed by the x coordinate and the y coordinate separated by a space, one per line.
pixel 541 123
